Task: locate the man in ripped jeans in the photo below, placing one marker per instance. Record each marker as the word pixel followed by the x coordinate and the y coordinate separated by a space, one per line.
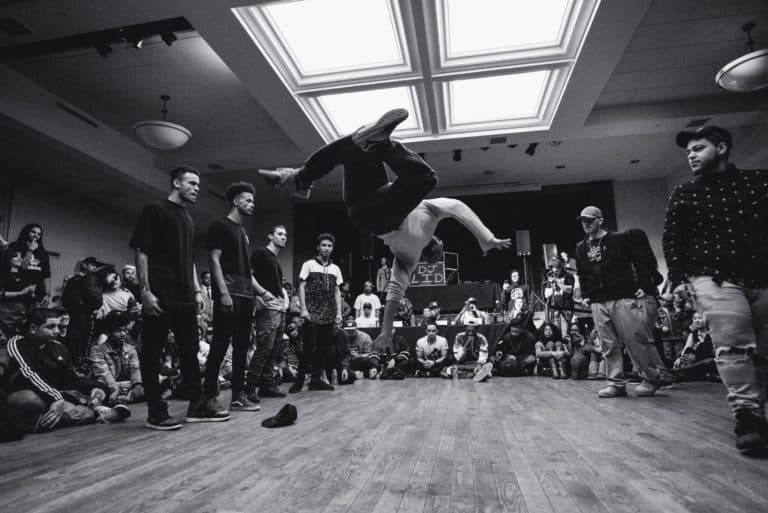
pixel 715 239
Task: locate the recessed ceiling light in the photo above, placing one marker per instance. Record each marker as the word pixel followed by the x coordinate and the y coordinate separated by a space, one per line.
pixel 634 161
pixel 560 166
pixel 488 172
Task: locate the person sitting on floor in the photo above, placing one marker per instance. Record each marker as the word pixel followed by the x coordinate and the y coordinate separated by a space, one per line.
pixel 116 363
pixel 431 354
pixel 583 353
pixel 45 391
pixel 470 354
pixel 697 359
pixel 551 352
pixel 515 352
pixel 339 357
pixel 431 314
pixel 362 357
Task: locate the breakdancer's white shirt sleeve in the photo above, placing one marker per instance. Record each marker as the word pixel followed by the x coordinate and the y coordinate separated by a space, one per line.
pixel 401 278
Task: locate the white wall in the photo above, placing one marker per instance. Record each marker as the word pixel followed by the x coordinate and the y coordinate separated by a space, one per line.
pixel 73 226
pixel 642 204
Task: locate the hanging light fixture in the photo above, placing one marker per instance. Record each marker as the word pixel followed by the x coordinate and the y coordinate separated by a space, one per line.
pixel 162 135
pixel 747 73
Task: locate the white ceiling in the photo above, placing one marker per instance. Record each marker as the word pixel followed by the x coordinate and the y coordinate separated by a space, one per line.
pixel 646 69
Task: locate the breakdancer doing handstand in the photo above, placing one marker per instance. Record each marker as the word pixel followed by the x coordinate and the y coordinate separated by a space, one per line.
pixel 396 212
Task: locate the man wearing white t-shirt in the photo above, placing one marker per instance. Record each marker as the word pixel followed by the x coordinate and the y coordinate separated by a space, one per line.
pixel 396 212
pixel 432 354
pixel 367 297
pixel 366 318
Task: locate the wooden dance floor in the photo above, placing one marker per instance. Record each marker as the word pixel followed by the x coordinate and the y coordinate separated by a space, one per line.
pixel 520 444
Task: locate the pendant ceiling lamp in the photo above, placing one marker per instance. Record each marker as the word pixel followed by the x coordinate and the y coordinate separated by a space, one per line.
pixel 747 73
pixel 162 135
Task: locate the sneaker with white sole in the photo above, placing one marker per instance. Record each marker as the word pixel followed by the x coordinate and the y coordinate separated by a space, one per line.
pixel 612 391
pixel 483 373
pixel 368 136
pixel 160 420
pixel 242 403
pixel 206 410
pixel 646 389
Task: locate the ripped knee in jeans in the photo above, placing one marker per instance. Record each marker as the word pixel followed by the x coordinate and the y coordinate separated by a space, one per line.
pixel 734 354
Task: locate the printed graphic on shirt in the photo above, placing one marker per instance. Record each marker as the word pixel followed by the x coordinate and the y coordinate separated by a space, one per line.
pixel 322 282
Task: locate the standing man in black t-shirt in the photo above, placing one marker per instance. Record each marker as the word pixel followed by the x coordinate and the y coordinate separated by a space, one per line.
pixel 229 248
pixel 268 315
pixel 171 296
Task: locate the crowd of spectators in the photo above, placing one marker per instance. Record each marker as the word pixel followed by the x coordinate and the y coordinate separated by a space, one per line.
pixel 79 350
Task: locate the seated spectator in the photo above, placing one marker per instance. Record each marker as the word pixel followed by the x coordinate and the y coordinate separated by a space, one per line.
pixel 116 363
pixel 470 354
pixel 367 319
pixel 17 293
pixel 697 360
pixel 669 327
pixel 367 297
pixel 405 312
pixel 294 303
pixel 81 298
pixel 362 357
pixel 471 314
pixel 338 359
pixel 130 283
pixel 346 300
pixel 431 314
pixel 515 351
pixel 586 358
pixel 115 298
pixel 431 354
pixel 34 262
pixel 44 391
pixel 551 352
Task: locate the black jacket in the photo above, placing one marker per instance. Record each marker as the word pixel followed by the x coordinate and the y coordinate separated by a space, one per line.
pixel 626 263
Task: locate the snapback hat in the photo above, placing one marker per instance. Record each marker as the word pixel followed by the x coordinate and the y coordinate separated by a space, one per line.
pixel 285 417
pixel 705 132
pixel 590 212
pixel 350 324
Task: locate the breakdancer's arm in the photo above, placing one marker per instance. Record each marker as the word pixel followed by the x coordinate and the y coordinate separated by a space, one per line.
pixel 449 207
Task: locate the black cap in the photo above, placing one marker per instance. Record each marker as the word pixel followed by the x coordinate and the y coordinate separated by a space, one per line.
pixel 92 260
pixel 350 324
pixel 683 138
pixel 285 417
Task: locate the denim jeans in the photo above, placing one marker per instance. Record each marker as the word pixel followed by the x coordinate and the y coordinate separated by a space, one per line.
pixel 183 322
pixel 628 323
pixel 738 324
pixel 234 326
pixel 267 326
pixel 374 204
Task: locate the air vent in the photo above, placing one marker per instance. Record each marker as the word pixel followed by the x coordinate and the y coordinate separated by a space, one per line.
pixel 697 123
pixel 217 195
pixel 72 112
pixel 215 167
pixel 499 140
pixel 13 28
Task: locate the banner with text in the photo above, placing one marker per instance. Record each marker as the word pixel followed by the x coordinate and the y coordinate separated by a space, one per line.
pixel 428 275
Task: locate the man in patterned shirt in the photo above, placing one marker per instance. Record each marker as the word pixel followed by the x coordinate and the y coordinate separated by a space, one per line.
pixel 320 307
pixel 715 240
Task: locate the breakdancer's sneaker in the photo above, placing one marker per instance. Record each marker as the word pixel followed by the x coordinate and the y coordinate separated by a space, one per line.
pixel 751 431
pixel 368 136
pixel 280 176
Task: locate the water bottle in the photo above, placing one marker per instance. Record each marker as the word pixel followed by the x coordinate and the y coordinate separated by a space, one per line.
pixel 455 372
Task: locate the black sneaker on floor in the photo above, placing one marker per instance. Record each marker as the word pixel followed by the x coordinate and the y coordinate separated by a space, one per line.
pixel 160 420
pixel 751 431
pixel 206 410
pixel 270 391
pixel 367 136
pixel 242 403
pixel 320 385
pixel 296 386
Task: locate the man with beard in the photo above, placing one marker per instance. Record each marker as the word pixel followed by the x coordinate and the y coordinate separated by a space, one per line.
pixel 515 352
pixel 715 239
pixel 268 316
pixel 82 297
pixel 619 276
pixel 164 243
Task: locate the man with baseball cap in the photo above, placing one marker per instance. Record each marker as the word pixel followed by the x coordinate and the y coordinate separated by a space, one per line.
pixel 619 280
pixel 715 240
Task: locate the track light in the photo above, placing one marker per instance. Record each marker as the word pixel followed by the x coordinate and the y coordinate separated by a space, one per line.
pixel 457 155
pixel 104 50
pixel 168 38
pixel 531 150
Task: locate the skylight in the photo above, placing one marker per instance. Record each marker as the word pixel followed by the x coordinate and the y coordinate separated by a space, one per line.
pixel 348 111
pixel 460 67
pixel 476 27
pixel 498 98
pixel 341 45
